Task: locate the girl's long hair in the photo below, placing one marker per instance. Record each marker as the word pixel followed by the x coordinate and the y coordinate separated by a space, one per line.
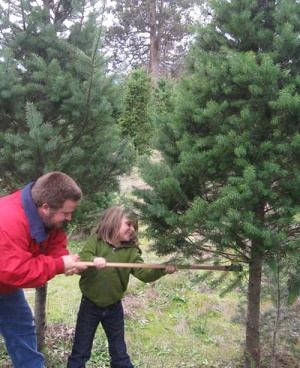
pixel 110 223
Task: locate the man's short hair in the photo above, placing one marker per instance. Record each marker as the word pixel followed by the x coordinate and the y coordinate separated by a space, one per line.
pixel 54 189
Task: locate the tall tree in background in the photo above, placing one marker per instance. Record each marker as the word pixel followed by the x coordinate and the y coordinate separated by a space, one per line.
pixel 228 183
pixel 136 119
pixel 151 33
pixel 58 106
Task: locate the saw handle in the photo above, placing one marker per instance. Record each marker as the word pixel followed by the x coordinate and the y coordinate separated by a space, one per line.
pixel 163 266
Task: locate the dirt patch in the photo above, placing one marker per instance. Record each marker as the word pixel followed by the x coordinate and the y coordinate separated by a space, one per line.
pixel 127 183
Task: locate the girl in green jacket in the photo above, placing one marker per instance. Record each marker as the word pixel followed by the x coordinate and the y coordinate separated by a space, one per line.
pixel 103 287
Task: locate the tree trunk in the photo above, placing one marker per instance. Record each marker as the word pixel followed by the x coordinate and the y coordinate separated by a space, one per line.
pixel 154 42
pixel 252 352
pixel 40 315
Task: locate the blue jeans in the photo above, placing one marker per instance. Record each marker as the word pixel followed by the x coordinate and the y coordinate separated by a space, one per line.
pixel 88 319
pixel 18 331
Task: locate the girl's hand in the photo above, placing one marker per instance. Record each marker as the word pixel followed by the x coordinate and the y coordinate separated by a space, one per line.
pixel 170 268
pixel 100 262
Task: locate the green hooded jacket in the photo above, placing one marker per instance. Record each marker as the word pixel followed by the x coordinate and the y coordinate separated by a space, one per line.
pixel 107 285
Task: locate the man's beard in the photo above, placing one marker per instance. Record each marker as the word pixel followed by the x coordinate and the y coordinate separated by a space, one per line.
pixel 47 220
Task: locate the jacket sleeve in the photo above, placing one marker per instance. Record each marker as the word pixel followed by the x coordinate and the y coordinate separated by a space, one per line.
pixel 21 264
pixel 146 274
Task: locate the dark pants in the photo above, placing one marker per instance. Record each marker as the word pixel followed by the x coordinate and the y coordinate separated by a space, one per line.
pixel 88 319
pixel 18 331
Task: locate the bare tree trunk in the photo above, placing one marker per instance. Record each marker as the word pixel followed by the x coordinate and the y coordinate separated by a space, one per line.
pixel 40 315
pixel 154 42
pixel 252 352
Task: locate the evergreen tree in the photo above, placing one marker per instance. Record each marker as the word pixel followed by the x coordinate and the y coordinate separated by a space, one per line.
pixel 280 317
pixel 52 63
pixel 166 134
pixel 135 119
pixel 227 187
pixel 152 34
pixel 58 105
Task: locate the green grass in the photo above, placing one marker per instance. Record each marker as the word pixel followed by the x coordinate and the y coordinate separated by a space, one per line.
pixel 177 327
pixel 175 322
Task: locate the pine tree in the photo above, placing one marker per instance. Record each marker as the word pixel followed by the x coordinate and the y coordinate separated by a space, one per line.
pixel 58 105
pixel 52 63
pixel 135 120
pixel 228 189
pixel 153 34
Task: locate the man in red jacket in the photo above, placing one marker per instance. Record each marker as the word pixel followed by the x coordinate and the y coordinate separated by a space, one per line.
pixel 32 251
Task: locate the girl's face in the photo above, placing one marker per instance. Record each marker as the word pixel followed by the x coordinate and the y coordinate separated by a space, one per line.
pixel 127 230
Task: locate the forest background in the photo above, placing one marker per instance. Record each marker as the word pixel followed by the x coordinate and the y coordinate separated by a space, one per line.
pixel 211 89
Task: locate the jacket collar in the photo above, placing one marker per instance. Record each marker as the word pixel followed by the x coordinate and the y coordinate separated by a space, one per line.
pixel 36 225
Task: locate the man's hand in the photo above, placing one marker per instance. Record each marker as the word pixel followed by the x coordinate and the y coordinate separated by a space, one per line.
pixel 100 262
pixel 170 268
pixel 73 265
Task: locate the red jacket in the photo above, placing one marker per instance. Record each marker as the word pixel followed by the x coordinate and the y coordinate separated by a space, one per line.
pixel 29 256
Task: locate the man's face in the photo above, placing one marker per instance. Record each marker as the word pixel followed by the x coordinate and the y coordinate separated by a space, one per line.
pixel 57 219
